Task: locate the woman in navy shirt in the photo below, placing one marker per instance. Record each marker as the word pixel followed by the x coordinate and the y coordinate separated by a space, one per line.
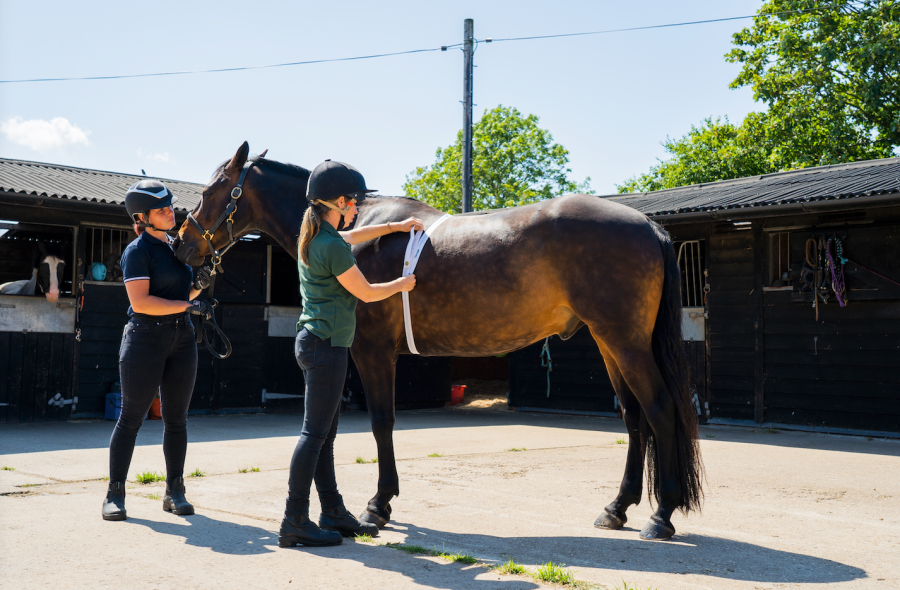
pixel 158 351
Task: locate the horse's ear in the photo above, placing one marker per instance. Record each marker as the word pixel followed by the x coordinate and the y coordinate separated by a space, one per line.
pixel 240 157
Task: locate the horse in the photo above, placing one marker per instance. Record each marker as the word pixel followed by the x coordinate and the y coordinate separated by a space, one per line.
pixel 491 283
pixel 46 276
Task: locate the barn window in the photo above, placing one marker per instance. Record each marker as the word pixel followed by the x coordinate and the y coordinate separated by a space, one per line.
pixel 691 264
pixel 103 247
pixel 25 246
pixel 779 268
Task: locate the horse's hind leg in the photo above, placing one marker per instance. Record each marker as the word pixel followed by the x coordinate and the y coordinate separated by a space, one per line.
pixel 377 368
pixel 642 375
pixel 613 516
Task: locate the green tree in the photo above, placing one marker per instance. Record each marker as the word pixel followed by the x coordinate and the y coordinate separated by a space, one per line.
pixel 830 76
pixel 514 162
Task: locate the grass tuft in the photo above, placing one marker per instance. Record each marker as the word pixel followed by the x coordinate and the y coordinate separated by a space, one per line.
pixel 8 468
pixel 197 473
pixel 627 586
pixel 412 549
pixel 515 450
pixel 361 460
pixel 511 567
pixel 104 478
pixel 146 477
pixel 29 485
pixel 364 539
pixel 153 496
pixel 243 469
pixel 460 557
pixel 436 455
pixel 556 573
pixel 621 441
pixel 254 470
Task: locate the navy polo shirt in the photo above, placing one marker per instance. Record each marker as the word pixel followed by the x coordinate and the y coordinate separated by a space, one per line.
pixel 147 258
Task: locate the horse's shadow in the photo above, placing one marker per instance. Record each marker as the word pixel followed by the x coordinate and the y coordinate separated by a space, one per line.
pixel 715 557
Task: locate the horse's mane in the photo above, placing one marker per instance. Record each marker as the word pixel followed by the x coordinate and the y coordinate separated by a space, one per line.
pixel 280 167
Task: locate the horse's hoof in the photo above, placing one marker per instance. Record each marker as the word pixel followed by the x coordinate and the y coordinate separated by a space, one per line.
pixel 610 520
pixel 368 516
pixel 657 530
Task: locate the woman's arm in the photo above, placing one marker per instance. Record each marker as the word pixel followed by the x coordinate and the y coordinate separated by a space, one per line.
pixel 194 293
pixel 143 302
pixel 370 232
pixel 354 281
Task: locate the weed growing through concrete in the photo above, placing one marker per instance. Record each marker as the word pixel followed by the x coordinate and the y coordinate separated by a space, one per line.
pixel 555 572
pixel 459 556
pixel 8 468
pixel 710 435
pixel 29 485
pixel 361 460
pixel 436 455
pixel 364 539
pixel 104 478
pixel 243 469
pixel 510 567
pixel 197 473
pixel 626 586
pixel 149 477
pixel 515 450
pixel 153 496
pixel 771 430
pixel 411 549
pixel 254 469
pixel 621 441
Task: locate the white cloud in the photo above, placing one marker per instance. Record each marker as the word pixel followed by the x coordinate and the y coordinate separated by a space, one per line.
pixel 40 135
pixel 160 157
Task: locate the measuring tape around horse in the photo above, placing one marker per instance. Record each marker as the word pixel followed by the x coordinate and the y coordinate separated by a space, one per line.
pixel 417 240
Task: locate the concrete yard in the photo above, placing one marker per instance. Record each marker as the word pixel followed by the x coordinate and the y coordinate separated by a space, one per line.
pixel 783 509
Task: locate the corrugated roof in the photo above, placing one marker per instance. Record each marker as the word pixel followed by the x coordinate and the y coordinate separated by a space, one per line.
pixel 855 181
pixel 82 184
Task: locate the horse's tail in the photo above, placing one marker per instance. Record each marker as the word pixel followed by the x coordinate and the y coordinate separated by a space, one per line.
pixel 668 350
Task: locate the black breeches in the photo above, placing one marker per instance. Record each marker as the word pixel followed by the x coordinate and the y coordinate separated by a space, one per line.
pixel 157 354
pixel 324 369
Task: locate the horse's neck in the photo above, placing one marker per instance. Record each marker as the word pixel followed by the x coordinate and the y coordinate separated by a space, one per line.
pixel 30 287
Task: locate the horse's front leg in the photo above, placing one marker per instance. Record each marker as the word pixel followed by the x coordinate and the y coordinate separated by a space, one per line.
pixel 377 368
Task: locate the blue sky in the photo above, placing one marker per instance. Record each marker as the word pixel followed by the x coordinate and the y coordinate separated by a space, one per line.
pixel 609 99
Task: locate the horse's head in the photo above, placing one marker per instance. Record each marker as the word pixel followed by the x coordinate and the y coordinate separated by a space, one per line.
pixel 51 268
pixel 272 201
pixel 191 245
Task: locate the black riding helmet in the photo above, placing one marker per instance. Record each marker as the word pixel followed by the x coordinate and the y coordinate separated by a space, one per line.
pixel 145 195
pixel 332 179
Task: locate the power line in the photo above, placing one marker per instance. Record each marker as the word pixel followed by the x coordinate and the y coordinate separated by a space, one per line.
pixel 696 22
pixel 441 48
pixel 213 71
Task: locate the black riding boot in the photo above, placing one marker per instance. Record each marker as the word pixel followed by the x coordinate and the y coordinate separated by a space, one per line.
pixel 175 502
pixel 114 504
pixel 298 529
pixel 339 519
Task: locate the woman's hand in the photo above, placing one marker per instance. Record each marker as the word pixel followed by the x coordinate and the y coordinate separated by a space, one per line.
pixel 413 223
pixel 407 284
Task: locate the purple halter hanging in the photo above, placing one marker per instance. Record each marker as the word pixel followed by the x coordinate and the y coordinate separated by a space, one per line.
pixel 837 274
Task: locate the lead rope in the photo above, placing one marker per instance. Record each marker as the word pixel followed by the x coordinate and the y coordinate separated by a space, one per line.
pixel 414 248
pixel 546 361
pixel 202 336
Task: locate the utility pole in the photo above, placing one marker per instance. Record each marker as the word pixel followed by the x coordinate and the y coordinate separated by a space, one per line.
pixel 468 51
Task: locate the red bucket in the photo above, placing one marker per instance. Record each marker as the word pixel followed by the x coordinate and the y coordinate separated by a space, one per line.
pixel 457 393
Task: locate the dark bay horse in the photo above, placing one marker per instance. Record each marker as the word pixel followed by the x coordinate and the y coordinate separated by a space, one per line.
pixel 494 282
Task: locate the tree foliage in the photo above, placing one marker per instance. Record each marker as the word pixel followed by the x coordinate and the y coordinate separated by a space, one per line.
pixel 830 76
pixel 514 162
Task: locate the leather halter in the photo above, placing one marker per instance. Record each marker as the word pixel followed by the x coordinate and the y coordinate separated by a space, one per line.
pixel 227 217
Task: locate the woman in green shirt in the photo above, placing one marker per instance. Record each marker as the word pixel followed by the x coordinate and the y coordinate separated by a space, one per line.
pixel 331 284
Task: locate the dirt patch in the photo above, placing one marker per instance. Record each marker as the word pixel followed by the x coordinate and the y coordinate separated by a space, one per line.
pixel 483 395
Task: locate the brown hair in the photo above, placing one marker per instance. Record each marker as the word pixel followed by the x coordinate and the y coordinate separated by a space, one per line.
pixel 309 229
pixel 137 228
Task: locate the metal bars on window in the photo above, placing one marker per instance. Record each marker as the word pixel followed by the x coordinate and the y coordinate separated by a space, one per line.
pixel 103 249
pixel 690 263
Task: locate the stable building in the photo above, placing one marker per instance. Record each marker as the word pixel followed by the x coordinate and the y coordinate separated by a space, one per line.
pixel 762 354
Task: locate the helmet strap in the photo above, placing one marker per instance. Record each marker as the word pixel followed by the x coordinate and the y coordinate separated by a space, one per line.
pixel 332 206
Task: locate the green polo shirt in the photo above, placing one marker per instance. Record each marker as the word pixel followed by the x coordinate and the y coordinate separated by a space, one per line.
pixel 329 310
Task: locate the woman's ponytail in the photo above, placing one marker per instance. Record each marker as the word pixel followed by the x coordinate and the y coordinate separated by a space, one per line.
pixel 309 229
